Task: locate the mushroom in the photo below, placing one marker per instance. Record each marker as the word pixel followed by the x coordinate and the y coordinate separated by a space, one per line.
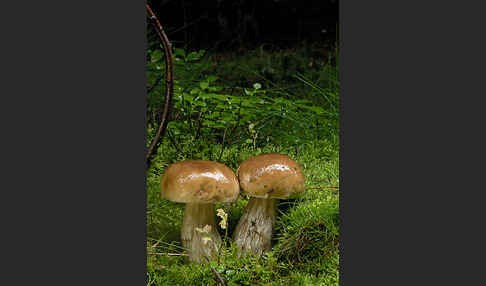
pixel 265 178
pixel 199 184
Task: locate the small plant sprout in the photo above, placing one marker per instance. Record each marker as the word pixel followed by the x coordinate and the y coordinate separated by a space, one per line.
pixel 206 239
pixel 265 178
pixel 223 223
pixel 256 87
pixel 205 233
pixel 205 230
pixel 199 184
pixel 253 134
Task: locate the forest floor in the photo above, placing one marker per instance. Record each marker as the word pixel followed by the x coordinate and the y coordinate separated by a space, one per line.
pixel 306 238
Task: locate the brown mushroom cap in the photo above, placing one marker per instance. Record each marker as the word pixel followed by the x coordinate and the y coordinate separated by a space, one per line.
pixel 199 181
pixel 271 176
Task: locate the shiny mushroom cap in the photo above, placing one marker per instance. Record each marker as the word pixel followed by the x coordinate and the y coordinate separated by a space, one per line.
pixel 199 181
pixel 271 176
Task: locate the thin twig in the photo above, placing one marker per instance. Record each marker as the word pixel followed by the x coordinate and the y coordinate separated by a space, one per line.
pixel 155 84
pixel 238 118
pixel 171 32
pixel 169 88
pixel 168 254
pixel 222 144
pixel 322 187
pixel 199 125
pixel 172 141
pixel 221 280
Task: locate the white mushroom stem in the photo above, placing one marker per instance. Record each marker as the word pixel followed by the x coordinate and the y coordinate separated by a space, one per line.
pixel 197 215
pixel 253 233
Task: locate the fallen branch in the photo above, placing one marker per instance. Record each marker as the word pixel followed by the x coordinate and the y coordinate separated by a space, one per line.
pixel 169 88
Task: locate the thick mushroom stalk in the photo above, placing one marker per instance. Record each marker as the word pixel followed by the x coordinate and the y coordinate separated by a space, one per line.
pixel 265 178
pixel 202 241
pixel 253 234
pixel 200 184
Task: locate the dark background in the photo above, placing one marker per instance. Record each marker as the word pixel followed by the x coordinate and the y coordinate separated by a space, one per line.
pixel 227 24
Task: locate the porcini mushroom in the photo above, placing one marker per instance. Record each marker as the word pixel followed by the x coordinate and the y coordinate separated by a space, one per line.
pixel 199 184
pixel 265 178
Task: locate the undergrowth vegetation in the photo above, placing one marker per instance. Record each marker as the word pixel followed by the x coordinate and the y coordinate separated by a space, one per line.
pixel 228 108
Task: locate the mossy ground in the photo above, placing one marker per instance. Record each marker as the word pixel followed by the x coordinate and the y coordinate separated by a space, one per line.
pixel 305 249
pixel 306 238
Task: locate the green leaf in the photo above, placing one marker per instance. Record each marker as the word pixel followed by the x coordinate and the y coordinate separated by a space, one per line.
pixel 180 52
pixel 156 56
pixel 257 86
pixel 214 88
pixel 317 109
pixel 249 92
pixel 192 56
pixel 188 98
pixel 212 78
pixel 201 53
pixel 204 84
